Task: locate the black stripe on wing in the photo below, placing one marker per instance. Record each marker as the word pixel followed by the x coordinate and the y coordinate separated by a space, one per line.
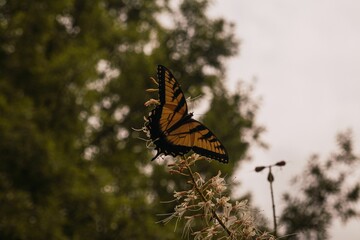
pixel 172 99
pixel 170 91
pixel 160 137
pixel 199 138
pixel 206 143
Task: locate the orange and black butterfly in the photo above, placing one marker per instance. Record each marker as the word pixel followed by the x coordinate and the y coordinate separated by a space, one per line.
pixel 173 130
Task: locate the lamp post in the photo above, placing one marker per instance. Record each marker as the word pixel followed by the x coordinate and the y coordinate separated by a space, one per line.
pixel 270 179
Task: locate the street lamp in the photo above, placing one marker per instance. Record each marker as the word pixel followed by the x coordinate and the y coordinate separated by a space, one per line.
pixel 270 178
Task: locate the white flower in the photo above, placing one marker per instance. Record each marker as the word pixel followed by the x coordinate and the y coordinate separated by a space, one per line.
pixel 211 232
pixel 188 224
pixel 230 221
pixel 209 193
pixel 218 183
pixel 249 231
pixel 207 206
pixel 152 102
pixel 180 209
pixel 198 179
pixel 191 196
pixel 227 210
pixel 241 205
pixel 179 195
pixel 223 201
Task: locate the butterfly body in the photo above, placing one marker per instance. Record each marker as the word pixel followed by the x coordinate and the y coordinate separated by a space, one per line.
pixel 173 130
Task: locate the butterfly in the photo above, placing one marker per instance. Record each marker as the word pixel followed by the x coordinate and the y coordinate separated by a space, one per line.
pixel 172 128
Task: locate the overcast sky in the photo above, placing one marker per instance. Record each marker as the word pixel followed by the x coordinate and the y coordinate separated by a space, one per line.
pixel 306 58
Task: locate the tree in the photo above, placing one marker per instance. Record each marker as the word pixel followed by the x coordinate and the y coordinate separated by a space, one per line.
pixel 327 192
pixel 71 82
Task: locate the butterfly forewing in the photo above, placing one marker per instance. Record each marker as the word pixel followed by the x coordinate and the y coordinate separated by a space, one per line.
pixel 168 119
pixel 172 99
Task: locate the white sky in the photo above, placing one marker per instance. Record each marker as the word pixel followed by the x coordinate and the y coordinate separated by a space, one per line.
pixel 306 58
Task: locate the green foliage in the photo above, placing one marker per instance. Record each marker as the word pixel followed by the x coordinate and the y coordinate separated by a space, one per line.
pixel 327 192
pixel 71 87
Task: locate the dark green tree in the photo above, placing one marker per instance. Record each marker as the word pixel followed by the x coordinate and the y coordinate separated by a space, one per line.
pixel 327 191
pixel 72 81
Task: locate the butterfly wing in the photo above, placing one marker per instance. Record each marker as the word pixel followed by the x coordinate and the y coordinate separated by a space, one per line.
pixel 168 115
pixel 172 129
pixel 201 140
pixel 169 143
pixel 172 99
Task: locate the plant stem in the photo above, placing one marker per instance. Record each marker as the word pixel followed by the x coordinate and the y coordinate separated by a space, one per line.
pixel 205 200
pixel 273 204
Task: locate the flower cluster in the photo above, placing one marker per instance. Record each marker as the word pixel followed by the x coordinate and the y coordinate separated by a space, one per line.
pixel 206 203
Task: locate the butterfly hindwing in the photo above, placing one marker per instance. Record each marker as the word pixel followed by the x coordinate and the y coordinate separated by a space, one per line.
pixel 205 143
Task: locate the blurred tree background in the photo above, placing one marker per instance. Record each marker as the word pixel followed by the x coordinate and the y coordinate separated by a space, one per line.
pixel 72 80
pixel 325 191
